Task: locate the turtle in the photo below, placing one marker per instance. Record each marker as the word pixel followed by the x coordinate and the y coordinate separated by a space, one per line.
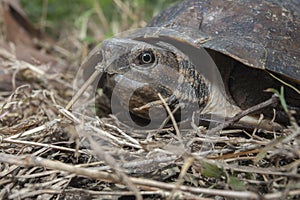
pixel 254 44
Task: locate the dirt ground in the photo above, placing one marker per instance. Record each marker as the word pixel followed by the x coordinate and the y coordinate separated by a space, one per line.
pixel 45 155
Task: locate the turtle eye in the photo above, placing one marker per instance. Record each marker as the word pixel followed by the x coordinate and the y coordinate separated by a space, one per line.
pixel 146 57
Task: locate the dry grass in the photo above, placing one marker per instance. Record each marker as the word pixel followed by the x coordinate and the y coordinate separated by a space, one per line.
pixel 42 156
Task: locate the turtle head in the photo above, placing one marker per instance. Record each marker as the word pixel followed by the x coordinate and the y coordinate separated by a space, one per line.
pixel 137 71
pixel 138 68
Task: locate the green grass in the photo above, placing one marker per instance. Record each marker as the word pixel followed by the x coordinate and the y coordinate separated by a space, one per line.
pixel 56 14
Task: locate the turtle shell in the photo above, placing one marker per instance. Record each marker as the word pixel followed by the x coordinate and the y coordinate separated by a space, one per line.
pixel 263 34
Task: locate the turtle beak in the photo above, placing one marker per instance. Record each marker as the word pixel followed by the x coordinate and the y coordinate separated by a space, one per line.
pixel 114 56
pixel 114 64
pixel 109 57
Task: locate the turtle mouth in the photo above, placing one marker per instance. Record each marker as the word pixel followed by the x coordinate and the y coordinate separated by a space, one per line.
pixel 128 82
pixel 138 97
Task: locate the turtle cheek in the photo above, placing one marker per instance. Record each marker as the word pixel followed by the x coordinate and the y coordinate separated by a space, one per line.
pixel 131 93
pixel 140 85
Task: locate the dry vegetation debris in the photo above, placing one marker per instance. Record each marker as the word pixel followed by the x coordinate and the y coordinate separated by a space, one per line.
pixel 42 155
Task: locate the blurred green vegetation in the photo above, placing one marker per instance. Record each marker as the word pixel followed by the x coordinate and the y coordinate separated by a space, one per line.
pixel 52 15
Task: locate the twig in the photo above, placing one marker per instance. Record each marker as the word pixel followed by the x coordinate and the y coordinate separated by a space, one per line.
pixel 86 84
pixel 109 160
pixel 27 194
pixel 279 195
pixel 284 83
pixel 172 117
pixel 113 138
pixel 188 162
pixel 35 130
pixel 114 193
pixel 95 174
pixel 50 146
pixel 237 117
pixel 131 139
